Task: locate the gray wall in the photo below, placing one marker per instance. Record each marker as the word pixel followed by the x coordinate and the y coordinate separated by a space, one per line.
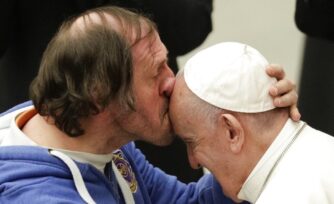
pixel 267 25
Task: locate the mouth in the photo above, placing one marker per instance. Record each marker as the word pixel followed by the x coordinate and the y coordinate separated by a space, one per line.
pixel 164 116
pixel 165 113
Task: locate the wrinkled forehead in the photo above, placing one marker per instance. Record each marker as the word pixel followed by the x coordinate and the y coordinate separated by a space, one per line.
pixel 149 50
pixel 178 100
pixel 179 109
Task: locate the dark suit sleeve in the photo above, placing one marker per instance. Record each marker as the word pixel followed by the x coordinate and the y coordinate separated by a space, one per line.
pixel 315 18
pixel 183 24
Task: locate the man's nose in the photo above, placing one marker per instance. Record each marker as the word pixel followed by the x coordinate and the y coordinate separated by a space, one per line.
pixel 167 86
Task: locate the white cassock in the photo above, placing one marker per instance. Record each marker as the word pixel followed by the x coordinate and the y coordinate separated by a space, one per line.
pixel 298 168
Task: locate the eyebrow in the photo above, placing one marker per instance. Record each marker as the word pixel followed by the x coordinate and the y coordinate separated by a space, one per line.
pixel 159 65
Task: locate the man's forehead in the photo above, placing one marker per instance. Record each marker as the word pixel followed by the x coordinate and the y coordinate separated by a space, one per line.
pixel 159 51
pixel 152 47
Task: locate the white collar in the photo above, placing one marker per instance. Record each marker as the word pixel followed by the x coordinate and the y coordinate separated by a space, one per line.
pixel 256 181
pixel 17 137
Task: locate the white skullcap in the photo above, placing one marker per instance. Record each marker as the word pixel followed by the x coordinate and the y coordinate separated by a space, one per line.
pixel 230 76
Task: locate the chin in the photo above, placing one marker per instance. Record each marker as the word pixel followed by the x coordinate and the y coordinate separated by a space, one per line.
pixel 165 140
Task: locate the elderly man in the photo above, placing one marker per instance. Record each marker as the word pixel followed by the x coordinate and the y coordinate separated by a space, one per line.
pixel 221 109
pixel 103 83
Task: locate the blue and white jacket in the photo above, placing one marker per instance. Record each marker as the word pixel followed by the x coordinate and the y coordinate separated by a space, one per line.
pixel 30 174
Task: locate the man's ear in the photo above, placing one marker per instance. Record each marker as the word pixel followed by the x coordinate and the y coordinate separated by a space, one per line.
pixel 235 132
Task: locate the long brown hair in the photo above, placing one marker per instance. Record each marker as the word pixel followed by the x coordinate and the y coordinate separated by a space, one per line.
pixel 84 69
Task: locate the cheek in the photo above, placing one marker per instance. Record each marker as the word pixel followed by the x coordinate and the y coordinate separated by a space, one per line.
pixel 202 156
pixel 148 110
pixel 208 157
pixel 149 104
pixel 147 97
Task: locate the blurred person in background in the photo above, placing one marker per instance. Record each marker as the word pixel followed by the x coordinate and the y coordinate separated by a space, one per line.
pixel 315 18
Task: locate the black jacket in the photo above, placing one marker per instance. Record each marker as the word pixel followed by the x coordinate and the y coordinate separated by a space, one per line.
pixel 28 25
pixel 316 18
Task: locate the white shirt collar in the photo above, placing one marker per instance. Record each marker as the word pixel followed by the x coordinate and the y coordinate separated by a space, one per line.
pixel 256 181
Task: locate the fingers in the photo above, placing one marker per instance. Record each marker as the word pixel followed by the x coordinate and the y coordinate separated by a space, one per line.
pixel 294 113
pixel 275 70
pixel 284 91
pixel 288 99
pixel 281 87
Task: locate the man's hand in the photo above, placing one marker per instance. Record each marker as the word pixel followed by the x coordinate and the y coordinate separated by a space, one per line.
pixel 284 91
